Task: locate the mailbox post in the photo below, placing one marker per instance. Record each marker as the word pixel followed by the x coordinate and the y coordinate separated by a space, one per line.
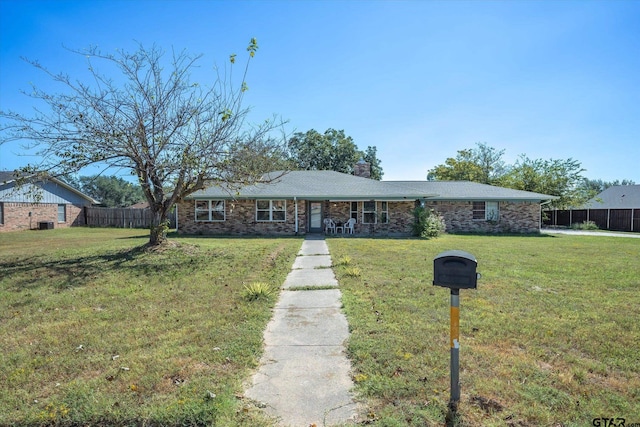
pixel 455 270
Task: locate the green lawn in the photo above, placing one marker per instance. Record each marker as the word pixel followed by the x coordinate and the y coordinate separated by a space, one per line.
pixel 550 337
pixel 94 330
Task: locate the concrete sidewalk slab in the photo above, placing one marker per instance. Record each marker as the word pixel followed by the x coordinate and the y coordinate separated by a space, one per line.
pixel 312 261
pixel 299 399
pixel 308 327
pixel 314 247
pixel 310 277
pixel 320 298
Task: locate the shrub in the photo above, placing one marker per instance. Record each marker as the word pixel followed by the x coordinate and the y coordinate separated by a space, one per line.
pixel 258 290
pixel 353 272
pixel 428 223
pixel 345 260
pixel 586 225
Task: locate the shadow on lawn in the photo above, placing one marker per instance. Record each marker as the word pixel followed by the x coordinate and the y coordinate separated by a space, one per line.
pixel 37 271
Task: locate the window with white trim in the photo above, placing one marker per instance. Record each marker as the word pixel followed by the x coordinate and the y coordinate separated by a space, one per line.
pixel 375 212
pixel 62 213
pixel 354 210
pixel 487 211
pixel 271 210
pixel 384 212
pixel 210 210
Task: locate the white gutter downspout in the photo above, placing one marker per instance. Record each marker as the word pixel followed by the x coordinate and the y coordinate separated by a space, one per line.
pixel 176 217
pixel 295 202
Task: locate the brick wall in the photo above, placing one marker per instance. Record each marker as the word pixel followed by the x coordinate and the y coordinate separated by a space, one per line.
pixel 16 216
pixel 515 217
pixel 241 220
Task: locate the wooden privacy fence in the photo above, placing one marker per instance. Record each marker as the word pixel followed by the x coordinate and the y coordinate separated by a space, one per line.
pixel 605 219
pixel 121 217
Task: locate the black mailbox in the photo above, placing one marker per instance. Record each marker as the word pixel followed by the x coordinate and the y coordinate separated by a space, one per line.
pixel 455 270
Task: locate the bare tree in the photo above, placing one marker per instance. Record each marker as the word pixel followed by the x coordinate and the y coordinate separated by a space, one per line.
pixel 174 135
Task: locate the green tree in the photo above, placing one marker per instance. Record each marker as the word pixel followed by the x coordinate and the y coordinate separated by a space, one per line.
pixel 370 156
pixel 556 177
pixel 482 164
pixel 175 135
pixel 111 191
pixel 332 150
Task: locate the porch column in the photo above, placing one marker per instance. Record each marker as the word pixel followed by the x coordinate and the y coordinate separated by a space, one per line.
pixel 295 202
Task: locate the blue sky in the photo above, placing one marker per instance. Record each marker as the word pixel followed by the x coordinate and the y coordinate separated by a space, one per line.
pixel 419 80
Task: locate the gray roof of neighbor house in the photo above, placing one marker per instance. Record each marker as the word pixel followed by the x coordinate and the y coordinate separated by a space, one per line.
pixel 330 185
pixel 51 185
pixel 616 197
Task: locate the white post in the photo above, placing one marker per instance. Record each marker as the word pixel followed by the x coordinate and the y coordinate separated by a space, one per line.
pixel 295 202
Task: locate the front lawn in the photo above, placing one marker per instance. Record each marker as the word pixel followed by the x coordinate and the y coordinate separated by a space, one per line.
pixel 550 337
pixel 94 330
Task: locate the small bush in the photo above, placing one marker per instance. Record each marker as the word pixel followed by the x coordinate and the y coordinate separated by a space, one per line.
pixel 345 260
pixel 428 223
pixel 258 290
pixel 586 225
pixel 353 272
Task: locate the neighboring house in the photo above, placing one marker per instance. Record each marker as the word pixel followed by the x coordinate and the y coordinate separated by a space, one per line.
pixel 297 202
pixel 616 208
pixel 57 204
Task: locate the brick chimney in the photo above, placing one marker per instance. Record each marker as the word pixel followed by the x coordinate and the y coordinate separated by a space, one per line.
pixel 362 169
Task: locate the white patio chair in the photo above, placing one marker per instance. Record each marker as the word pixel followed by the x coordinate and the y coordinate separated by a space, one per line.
pixel 329 226
pixel 348 227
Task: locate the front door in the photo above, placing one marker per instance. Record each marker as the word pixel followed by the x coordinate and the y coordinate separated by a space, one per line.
pixel 315 217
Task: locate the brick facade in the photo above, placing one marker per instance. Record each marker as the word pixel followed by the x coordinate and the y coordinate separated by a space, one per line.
pixel 16 215
pixel 515 217
pixel 240 218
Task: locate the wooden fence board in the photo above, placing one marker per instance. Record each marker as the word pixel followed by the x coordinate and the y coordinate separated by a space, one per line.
pixel 605 219
pixel 120 217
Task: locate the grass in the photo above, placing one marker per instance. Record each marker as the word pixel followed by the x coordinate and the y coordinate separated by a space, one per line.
pixel 550 337
pixel 96 330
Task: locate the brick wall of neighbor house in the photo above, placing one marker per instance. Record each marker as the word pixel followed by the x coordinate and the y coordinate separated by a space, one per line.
pixel 515 217
pixel 16 216
pixel 241 220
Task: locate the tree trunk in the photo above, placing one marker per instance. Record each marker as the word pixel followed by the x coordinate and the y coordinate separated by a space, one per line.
pixel 159 226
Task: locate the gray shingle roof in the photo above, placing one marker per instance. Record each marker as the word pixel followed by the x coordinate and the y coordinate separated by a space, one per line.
pixel 314 185
pixel 330 185
pixel 466 190
pixel 616 197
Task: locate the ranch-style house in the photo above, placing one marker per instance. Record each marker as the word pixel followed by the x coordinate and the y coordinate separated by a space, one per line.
pixel 299 202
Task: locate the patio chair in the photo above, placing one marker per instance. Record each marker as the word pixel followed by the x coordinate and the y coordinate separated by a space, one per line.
pixel 329 226
pixel 348 227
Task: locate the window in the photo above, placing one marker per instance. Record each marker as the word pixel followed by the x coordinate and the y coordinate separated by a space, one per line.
pixel 369 212
pixel 488 211
pixel 62 213
pixel 354 210
pixel 384 212
pixel 271 210
pixel 493 213
pixel 210 210
pixel 1 213
pixel 375 212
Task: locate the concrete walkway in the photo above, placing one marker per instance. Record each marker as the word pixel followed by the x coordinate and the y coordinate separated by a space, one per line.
pixel 304 375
